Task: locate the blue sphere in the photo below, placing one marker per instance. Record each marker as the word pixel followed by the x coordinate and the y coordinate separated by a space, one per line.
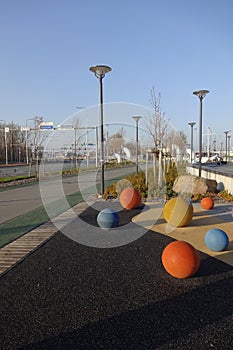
pixel 108 218
pixel 216 239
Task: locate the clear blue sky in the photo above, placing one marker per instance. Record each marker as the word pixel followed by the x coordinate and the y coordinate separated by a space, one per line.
pixel 177 46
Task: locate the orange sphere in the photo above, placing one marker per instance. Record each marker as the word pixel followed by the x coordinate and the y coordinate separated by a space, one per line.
pixel 180 259
pixel 130 198
pixel 207 203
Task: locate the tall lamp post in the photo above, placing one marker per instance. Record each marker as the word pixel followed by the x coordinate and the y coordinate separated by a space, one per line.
pixel 229 147
pixel 100 72
pixel 200 94
pixel 137 118
pixel 192 125
pixel 226 133
pixel 27 129
pixel 75 141
pixel 6 129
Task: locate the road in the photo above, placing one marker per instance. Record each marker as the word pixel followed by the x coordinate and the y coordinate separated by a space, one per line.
pixel 25 170
pixel 20 200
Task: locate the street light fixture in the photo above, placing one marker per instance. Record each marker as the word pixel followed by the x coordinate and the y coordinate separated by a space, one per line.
pixel 27 156
pixel 100 72
pixel 192 125
pixel 6 129
pixel 229 147
pixel 200 94
pixel 226 133
pixel 75 141
pixel 137 118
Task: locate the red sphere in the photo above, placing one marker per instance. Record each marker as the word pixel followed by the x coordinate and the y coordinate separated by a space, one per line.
pixel 130 198
pixel 207 203
pixel 180 259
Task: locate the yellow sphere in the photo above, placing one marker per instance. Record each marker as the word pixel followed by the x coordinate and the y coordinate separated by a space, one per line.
pixel 178 212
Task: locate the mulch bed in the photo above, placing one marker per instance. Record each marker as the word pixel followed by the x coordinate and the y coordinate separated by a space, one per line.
pixel 70 296
pixel 90 214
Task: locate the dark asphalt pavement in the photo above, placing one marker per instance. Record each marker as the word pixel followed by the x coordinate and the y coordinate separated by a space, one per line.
pixel 70 296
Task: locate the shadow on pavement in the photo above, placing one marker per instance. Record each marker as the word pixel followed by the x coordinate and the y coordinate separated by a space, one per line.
pixel 147 327
pixel 90 214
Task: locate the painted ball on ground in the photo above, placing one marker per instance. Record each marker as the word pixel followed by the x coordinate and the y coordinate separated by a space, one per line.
pixel 108 218
pixel 207 203
pixel 130 198
pixel 180 259
pixel 178 212
pixel 216 239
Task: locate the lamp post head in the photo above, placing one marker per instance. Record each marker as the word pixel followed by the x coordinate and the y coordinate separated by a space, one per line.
pixel 201 93
pixel 137 118
pixel 100 70
pixel 192 124
pixel 227 132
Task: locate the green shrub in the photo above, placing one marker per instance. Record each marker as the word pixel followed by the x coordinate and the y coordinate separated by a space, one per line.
pixel 138 181
pixel 226 196
pixel 170 177
pixel 14 178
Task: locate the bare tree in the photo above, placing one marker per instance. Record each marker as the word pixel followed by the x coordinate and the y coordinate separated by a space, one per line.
pixel 34 137
pixel 12 143
pixel 180 141
pixel 115 142
pixel 77 136
pixel 177 141
pixel 2 141
pixel 157 124
pixel 16 143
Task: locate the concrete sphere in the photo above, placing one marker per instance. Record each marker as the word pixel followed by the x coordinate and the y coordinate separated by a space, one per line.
pixel 130 198
pixel 178 212
pixel 108 218
pixel 180 259
pixel 216 239
pixel 207 203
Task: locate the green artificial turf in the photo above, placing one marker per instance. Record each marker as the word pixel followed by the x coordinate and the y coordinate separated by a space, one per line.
pixel 14 228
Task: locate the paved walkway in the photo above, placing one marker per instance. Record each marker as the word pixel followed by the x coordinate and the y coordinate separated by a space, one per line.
pixel 151 218
pixel 203 220
pixel 225 169
pixel 69 296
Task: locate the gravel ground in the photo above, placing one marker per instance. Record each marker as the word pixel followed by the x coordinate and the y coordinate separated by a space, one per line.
pixel 70 296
